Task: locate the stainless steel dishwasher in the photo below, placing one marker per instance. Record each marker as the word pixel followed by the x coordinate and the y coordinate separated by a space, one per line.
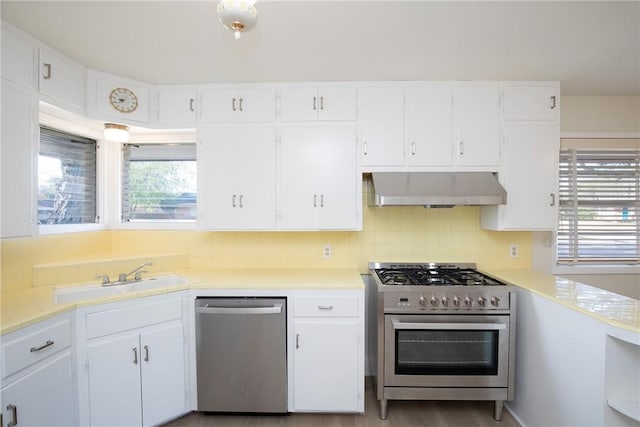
pixel 241 346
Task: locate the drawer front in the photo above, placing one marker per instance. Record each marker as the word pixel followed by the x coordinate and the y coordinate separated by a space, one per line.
pixel 25 351
pixel 134 317
pixel 329 306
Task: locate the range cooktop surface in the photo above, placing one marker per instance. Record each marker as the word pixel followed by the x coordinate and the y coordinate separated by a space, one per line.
pixel 431 274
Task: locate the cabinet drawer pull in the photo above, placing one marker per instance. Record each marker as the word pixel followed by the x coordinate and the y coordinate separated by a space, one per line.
pixel 322 102
pixel 461 148
pixel 325 307
pixel 233 104
pixel 14 415
pixel 146 353
pixel 297 340
pixel 240 200
pixel 135 355
pixel 553 199
pixel 413 148
pixel 322 200
pixel 240 104
pixel 47 75
pixel 315 199
pixel 233 201
pixel 191 100
pixel 314 103
pixel 49 343
pixel 364 146
pixel 553 102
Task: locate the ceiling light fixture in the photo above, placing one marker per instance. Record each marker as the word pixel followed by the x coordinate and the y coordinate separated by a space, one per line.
pixel 237 15
pixel 116 133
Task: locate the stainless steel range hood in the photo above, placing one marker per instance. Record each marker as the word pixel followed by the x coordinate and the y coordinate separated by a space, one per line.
pixel 436 189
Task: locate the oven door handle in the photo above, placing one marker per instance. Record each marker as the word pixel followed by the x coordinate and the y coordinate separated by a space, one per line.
pixel 449 326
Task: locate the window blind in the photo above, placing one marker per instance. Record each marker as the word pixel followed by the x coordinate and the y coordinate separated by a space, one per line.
pixel 599 194
pixel 158 182
pixel 66 178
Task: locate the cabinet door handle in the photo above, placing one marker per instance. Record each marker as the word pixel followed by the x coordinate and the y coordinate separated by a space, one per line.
pixel 364 147
pixel 241 196
pixel 146 353
pixel 553 199
pixel 461 148
pixel 322 102
pixel 315 199
pixel 553 102
pixel 191 100
pixel 322 200
pixel 413 148
pixel 314 103
pixel 233 201
pixel 240 104
pixel 47 74
pixel 14 415
pixel 325 307
pixel 233 104
pixel 49 343
pixel 297 340
pixel 135 355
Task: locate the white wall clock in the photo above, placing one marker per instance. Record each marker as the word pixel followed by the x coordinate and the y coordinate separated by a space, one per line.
pixel 123 100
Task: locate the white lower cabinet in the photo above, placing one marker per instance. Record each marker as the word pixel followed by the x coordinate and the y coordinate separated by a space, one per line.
pixel 136 376
pixel 328 354
pixel 43 397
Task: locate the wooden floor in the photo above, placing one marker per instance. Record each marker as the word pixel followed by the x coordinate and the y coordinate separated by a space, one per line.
pixel 401 414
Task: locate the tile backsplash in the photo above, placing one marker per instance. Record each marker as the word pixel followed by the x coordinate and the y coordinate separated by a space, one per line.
pixel 409 234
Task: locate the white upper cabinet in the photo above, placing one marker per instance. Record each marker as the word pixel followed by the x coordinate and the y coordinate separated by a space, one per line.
pixel 477 118
pixel 302 104
pixel 119 100
pixel 19 120
pixel 531 103
pixel 17 57
pixel 61 80
pixel 381 125
pixel 319 179
pixel 176 106
pixel 236 175
pixel 219 105
pixel 429 126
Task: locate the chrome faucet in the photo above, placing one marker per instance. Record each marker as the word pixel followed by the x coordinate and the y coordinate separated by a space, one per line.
pixel 122 277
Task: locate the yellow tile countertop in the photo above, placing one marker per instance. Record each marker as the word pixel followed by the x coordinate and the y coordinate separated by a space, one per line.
pixel 26 307
pixel 613 309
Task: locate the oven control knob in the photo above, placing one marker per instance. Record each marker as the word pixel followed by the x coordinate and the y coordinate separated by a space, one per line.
pixel 422 301
pixel 445 301
pixel 456 301
pixel 434 301
pixel 495 301
pixel 482 301
pixel 468 302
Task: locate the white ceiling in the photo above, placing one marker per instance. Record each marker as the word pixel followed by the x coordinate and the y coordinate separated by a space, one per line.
pixel 592 47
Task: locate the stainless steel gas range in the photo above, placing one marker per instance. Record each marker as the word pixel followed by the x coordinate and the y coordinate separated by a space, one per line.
pixel 443 332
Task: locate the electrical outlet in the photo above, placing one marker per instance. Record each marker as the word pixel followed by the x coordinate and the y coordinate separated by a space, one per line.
pixel 326 251
pixel 513 251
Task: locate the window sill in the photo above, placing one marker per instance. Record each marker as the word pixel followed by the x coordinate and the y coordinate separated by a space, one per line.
pixel 156 225
pixel 69 228
pixel 597 269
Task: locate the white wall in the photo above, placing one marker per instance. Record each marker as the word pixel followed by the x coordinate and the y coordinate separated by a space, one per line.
pixel 600 114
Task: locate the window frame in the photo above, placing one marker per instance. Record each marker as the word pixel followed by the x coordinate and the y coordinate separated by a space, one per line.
pixel 601 268
pixel 115 207
pixel 71 124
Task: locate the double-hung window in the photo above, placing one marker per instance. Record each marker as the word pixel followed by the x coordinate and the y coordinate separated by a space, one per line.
pixel 66 179
pixel 599 190
pixel 158 182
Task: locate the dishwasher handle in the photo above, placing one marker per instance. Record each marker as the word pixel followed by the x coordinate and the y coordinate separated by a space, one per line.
pixel 207 309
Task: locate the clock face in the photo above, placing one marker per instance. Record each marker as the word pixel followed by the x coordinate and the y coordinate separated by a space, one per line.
pixel 123 100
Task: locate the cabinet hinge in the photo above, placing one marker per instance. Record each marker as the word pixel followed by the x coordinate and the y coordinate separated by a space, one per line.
pixel 86 366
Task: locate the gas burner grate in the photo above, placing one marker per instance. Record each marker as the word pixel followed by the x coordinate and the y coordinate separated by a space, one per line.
pixel 433 276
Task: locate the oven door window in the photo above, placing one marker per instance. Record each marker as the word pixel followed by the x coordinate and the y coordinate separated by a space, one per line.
pixel 446 352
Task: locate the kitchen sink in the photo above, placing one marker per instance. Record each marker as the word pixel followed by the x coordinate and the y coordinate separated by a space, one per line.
pixel 94 291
